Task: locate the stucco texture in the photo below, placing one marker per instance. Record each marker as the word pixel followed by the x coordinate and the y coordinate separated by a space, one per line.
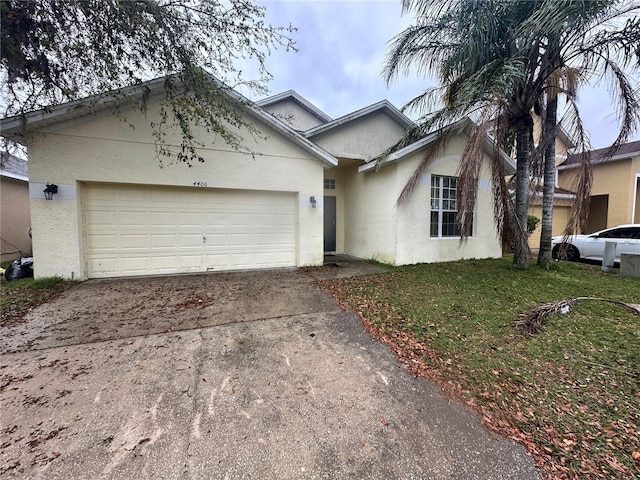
pixel 400 234
pixel 108 150
pixel 617 180
pixel 364 139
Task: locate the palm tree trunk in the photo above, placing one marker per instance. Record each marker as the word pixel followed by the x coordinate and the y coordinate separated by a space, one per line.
pixel 523 154
pixel 549 131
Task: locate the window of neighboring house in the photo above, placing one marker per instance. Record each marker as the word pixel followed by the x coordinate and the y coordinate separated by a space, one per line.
pixel 443 207
pixel 329 184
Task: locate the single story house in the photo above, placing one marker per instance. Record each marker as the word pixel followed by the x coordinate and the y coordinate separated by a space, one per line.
pixel 615 192
pixel 312 187
pixel 15 221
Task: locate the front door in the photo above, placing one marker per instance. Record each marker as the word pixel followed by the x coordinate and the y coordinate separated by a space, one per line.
pixel 329 224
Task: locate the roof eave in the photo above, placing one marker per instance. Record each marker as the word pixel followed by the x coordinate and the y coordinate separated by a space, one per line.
pixel 409 149
pixel 15 176
pixel 383 105
pixel 615 158
pixel 328 159
pixel 14 127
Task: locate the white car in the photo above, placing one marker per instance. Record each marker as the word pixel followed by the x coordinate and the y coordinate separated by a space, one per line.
pixel 591 247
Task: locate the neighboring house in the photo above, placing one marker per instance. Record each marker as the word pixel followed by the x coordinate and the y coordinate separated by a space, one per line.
pixel 615 193
pixel 563 198
pixel 15 220
pixel 311 188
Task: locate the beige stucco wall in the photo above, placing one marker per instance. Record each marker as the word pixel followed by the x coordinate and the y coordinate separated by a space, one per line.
pixel 293 114
pixel 15 219
pixel 561 147
pixel 105 149
pixel 370 227
pixel 561 216
pixel 364 138
pixel 616 179
pixel 401 234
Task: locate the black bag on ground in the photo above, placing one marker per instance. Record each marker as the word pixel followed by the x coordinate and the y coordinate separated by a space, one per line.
pixel 20 268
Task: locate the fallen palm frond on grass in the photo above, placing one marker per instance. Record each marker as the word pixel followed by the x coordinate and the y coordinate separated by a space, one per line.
pixel 531 322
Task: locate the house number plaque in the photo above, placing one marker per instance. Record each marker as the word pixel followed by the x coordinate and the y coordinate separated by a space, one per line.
pixel 199 184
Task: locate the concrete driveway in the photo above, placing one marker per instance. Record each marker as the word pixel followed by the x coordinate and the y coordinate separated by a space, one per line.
pixel 238 375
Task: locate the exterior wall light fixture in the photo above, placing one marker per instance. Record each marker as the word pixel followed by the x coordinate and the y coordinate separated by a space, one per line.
pixel 313 201
pixel 50 190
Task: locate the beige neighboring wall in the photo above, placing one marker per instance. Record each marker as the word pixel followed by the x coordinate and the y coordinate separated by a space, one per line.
pixel 618 180
pixel 561 216
pixel 401 234
pixel 105 149
pixel 15 218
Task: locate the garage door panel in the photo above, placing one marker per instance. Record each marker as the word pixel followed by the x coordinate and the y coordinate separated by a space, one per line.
pixel 163 219
pixel 134 241
pixel 104 266
pixel 135 265
pixel 164 241
pixel 133 218
pixel 190 240
pixel 102 242
pixel 131 195
pixel 134 230
pixel 192 263
pixel 101 217
pixel 165 264
pixel 190 219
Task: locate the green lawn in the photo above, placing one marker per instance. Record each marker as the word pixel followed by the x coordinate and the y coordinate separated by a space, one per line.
pixel 571 392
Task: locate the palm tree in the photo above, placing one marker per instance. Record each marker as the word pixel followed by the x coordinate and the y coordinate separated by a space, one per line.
pixel 494 60
pixel 581 40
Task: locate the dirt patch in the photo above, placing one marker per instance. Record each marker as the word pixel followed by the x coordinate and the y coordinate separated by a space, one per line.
pixel 100 310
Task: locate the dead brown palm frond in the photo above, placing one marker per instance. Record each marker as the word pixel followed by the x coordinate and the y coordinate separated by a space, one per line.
pixel 531 322
pixel 431 152
pixel 502 202
pixel 468 175
pixel 584 176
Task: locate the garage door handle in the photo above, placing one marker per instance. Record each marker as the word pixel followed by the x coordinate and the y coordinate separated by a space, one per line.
pixel 204 239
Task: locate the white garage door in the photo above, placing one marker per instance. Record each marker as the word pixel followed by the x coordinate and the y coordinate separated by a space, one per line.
pixel 134 230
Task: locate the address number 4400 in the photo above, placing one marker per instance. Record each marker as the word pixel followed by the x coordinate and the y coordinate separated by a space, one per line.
pixel 199 184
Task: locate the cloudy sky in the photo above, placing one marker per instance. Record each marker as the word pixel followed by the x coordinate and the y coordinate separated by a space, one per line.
pixel 341 51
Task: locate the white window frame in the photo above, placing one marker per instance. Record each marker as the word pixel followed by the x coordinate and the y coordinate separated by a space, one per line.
pixel 329 183
pixel 443 200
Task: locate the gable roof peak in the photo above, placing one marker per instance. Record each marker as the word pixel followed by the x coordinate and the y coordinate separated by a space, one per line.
pixel 383 105
pixel 297 98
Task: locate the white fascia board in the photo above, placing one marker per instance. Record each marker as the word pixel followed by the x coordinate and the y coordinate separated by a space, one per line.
pixel 296 97
pixel 12 127
pixel 409 149
pixel 383 105
pixel 400 154
pixel 285 130
pixel 294 136
pixel 15 176
pixel 563 196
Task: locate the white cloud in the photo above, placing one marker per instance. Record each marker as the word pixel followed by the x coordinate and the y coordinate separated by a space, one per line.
pixel 342 47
